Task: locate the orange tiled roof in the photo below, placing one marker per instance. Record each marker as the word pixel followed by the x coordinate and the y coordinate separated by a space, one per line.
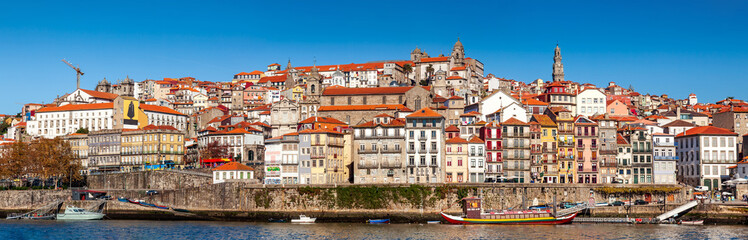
pixel 454 77
pixel 707 130
pixel 102 95
pixel 424 113
pixel 544 120
pixel 361 107
pixel 160 127
pixel 452 128
pixel 233 166
pixel 532 101
pixel 457 68
pixel 456 140
pixel 514 121
pixel 321 120
pixel 621 140
pixel 154 108
pixel 365 91
pixel 77 107
pixel 435 59
pixel 475 139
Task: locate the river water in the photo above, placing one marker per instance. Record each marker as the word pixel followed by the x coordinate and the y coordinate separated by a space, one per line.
pixel 130 229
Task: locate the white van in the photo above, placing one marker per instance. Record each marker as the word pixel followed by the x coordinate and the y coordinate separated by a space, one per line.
pixel 701 189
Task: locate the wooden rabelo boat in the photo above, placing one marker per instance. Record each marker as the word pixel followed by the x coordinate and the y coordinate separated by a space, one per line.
pixel 473 214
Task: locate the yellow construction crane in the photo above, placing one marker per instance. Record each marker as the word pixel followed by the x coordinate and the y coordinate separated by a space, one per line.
pixel 78 73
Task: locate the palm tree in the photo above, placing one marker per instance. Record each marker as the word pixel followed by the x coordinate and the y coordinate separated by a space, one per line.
pixel 407 69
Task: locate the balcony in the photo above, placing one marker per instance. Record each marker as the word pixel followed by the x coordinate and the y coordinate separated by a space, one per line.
pixel 594 147
pixel 391 164
pixel 665 144
pixel 647 150
pixel 317 156
pixel 550 150
pixel 336 143
pixel 566 144
pixel 608 164
pixel 565 131
pixel 510 146
pixel 422 138
pixel 521 157
pixel 411 164
pixel 391 150
pixel 366 151
pixel 608 152
pixel 513 134
pixel 316 143
pixel 412 150
pixel 508 167
pixel 666 158
pixel 367 164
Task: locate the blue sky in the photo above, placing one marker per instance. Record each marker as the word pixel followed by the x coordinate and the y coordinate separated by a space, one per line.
pixel 673 47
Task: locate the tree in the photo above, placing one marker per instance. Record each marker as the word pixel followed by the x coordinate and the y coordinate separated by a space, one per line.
pixel 82 130
pixel 4 126
pixel 214 150
pixel 45 158
pixel 407 69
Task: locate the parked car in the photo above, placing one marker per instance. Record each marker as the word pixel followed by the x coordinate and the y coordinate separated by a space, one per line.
pixel 540 207
pixel 701 189
pixel 151 192
pixel 640 202
pixel 618 203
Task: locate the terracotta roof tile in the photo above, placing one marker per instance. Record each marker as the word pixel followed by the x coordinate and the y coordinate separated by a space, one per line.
pixel 456 140
pixel 434 59
pixel 78 107
pixel 707 130
pixel 544 120
pixel 233 166
pixel 102 95
pixel 452 128
pixel 321 120
pixel 475 139
pixel 532 101
pixel 361 107
pixel 154 108
pixel 365 91
pixel 514 121
pixel 424 113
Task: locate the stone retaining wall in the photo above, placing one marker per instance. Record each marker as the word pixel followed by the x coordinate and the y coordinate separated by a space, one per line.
pixel 149 180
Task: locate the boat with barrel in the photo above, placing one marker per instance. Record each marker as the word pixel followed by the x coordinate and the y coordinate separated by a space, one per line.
pixel 473 213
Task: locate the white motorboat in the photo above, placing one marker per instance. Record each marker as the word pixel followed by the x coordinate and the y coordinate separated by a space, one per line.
pixel 75 213
pixel 696 222
pixel 303 219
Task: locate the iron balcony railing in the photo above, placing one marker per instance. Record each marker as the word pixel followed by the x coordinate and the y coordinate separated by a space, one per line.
pixel 666 157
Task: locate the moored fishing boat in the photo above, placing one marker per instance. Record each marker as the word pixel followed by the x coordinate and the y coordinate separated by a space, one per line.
pixel 378 221
pixel 696 222
pixel 473 214
pixel 75 213
pixel 303 219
